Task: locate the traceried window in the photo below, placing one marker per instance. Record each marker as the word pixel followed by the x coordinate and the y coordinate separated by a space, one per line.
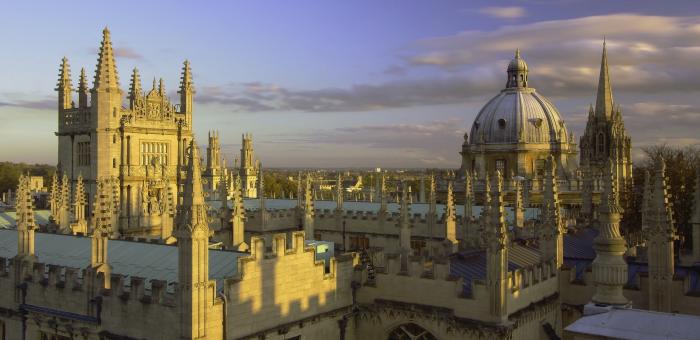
pixel 417 245
pixel 501 166
pixel 83 153
pixel 154 153
pixel 410 331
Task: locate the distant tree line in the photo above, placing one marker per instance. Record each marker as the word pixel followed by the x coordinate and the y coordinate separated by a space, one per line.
pixel 10 172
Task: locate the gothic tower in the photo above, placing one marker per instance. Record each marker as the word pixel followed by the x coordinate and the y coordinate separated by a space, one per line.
pixel 605 138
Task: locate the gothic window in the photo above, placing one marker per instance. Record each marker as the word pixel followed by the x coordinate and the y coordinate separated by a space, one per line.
pixel 410 331
pixel 114 139
pixel 417 245
pixel 501 165
pixel 359 242
pixel 154 153
pixel 83 153
pixel 601 143
pixel 539 168
pixel 114 163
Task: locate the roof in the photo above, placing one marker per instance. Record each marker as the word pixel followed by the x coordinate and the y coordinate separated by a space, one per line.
pixel 7 218
pixel 517 113
pixel 147 260
pixel 579 256
pixel 472 265
pixel 638 324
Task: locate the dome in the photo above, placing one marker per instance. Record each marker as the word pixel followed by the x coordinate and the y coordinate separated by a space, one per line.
pixel 518 113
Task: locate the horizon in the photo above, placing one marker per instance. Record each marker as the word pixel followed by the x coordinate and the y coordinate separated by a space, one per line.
pixel 339 87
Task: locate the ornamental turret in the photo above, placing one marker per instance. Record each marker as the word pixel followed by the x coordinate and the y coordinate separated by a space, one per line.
pixel 497 244
pixel 64 87
pixel 517 72
pixel 609 266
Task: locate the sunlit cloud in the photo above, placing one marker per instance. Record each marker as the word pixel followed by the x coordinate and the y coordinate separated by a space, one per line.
pixel 511 12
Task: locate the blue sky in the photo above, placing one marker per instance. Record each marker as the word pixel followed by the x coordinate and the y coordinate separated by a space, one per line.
pixel 357 83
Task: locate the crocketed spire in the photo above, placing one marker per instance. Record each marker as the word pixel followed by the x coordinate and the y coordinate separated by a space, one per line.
pixel 106 76
pixel 604 100
pixel 192 213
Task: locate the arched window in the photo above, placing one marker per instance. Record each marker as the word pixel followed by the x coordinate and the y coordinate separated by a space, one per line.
pixel 502 123
pixel 601 143
pixel 410 331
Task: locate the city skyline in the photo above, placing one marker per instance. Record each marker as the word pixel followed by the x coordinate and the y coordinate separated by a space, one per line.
pixel 338 86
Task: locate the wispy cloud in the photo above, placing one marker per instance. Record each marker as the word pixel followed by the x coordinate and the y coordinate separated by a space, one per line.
pixel 121 52
pixel 510 12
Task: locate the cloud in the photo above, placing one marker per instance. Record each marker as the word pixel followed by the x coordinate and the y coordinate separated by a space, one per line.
pixel 127 52
pixel 121 52
pixel 45 103
pixel 510 12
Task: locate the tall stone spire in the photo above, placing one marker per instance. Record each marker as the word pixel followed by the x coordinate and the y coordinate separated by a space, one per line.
pixel 192 232
pixel 64 86
pixel 695 220
pixel 64 208
pixel 609 266
pixel 604 99
pixel 497 243
pixel 106 77
pixel 83 90
pixel 186 90
pixel 54 197
pixel 309 212
pixel 135 89
pixel 25 220
pixel 661 233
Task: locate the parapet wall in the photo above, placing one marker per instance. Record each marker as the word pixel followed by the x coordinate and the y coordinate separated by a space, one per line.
pixel 285 285
pixel 130 307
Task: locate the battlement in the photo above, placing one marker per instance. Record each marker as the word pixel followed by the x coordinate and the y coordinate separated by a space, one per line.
pixel 70 279
pixel 523 278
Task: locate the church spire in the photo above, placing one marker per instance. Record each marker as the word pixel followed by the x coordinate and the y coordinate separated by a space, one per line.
pixel 106 76
pixel 604 100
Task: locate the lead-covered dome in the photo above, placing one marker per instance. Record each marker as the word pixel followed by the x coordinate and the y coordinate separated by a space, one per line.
pixel 518 113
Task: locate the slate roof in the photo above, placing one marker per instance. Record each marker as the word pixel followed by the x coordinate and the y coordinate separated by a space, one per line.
pixel 638 324
pixel 147 260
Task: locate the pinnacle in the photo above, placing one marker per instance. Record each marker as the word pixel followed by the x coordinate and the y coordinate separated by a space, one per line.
pixel 106 76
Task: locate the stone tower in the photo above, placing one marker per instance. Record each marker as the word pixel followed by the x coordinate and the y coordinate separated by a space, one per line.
pixel 195 290
pixel 661 234
pixel 248 169
pixel 609 266
pixel 102 140
pixel 551 233
pixel 309 211
pixel 605 139
pixel 215 168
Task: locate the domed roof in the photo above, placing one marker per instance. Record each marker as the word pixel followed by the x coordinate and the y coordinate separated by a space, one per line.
pixel 518 114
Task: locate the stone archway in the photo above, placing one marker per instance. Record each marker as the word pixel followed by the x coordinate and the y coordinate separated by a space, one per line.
pixel 410 331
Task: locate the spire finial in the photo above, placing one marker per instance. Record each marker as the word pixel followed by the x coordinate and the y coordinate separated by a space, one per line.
pixel 517 53
pixel 106 71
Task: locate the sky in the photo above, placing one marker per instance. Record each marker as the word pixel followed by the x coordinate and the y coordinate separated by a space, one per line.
pixel 362 83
